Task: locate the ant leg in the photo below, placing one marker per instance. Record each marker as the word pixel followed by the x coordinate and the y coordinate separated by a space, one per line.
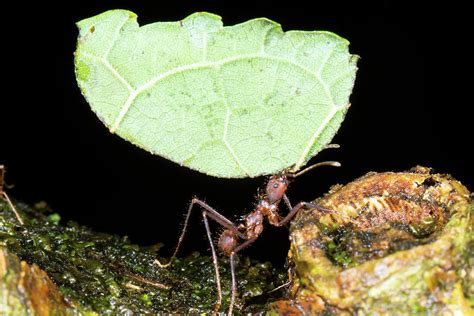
pixel 232 271
pixel 326 210
pixel 301 205
pixel 216 216
pixel 292 213
pixel 215 263
pixel 234 285
pixel 212 213
pixel 18 217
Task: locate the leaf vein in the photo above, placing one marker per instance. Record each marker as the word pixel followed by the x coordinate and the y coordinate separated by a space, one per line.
pixel 325 86
pixel 314 138
pixel 135 92
pixel 228 146
pixel 116 36
pixel 111 69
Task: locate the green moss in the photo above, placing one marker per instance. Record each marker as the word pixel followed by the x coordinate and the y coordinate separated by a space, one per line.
pixel 108 274
pixel 54 218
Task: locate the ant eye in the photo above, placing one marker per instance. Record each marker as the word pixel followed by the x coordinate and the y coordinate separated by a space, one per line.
pixel 276 185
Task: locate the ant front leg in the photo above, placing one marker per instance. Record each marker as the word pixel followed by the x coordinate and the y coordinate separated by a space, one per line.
pixel 301 205
pixel 297 207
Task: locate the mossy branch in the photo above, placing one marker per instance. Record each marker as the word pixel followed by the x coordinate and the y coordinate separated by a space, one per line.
pixel 82 270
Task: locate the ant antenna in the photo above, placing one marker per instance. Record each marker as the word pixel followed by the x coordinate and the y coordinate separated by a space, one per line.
pixel 324 163
pixel 316 165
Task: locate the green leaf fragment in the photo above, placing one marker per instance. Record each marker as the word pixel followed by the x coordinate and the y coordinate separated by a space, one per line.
pixel 235 101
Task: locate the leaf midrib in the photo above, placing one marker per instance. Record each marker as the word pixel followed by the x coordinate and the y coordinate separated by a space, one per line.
pixel 134 92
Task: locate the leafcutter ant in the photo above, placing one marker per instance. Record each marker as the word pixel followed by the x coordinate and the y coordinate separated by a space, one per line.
pixel 236 237
pixel 5 195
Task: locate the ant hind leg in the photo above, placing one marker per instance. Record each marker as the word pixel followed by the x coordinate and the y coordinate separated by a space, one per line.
pixel 215 263
pixel 208 212
pixel 234 284
pixel 232 271
pixel 212 213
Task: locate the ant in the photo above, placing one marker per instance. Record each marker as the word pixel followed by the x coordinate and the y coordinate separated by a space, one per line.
pixel 251 226
pixel 5 195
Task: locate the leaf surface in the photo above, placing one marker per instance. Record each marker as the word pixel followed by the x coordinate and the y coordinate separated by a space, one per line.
pixel 234 101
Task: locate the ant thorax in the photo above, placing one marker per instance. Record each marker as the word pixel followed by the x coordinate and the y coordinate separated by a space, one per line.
pixel 270 210
pixel 253 224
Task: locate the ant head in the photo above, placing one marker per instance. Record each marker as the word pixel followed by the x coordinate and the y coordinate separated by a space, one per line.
pixel 276 187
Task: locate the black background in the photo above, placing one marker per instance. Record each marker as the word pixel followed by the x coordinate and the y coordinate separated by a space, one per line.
pixel 409 107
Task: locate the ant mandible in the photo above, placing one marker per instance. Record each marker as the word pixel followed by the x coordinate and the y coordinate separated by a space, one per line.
pixel 252 224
